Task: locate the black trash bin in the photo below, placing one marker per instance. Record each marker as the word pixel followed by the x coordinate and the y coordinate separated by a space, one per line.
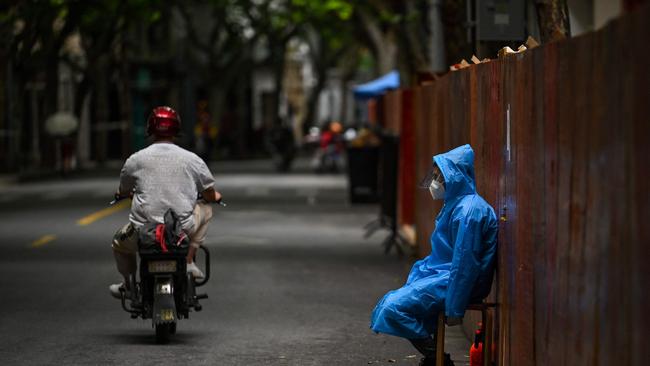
pixel 363 164
pixel 387 173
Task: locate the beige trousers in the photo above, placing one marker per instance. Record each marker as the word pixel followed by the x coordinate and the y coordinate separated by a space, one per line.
pixel 125 240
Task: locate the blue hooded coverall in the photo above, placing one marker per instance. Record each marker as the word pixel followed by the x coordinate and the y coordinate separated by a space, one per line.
pixel 460 266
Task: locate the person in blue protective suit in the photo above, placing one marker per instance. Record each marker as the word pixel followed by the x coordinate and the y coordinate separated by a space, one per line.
pixel 459 269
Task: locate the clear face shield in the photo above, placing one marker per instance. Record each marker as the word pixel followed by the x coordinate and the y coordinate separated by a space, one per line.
pixel 434 181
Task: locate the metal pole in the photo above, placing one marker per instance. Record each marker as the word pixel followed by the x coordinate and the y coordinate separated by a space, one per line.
pixel 36 153
pixel 437 43
pixel 9 118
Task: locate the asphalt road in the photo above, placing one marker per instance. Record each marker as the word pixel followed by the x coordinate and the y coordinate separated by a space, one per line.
pixel 293 281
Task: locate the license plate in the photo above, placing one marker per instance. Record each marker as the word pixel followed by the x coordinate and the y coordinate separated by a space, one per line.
pixel 162 266
pixel 167 315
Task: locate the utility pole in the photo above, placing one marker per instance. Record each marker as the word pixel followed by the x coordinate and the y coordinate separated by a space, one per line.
pixel 436 40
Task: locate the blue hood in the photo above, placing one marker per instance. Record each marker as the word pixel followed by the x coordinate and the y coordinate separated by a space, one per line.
pixel 457 166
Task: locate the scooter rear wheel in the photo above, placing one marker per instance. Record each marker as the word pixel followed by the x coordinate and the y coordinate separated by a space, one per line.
pixel 163 331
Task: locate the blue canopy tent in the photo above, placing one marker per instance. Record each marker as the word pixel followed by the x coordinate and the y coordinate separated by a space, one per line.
pixel 378 86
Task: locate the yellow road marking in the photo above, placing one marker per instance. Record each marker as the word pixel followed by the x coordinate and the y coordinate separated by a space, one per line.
pixel 43 240
pixel 103 213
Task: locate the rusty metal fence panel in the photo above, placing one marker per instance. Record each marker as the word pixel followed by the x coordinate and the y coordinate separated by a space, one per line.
pixel 408 183
pixel 562 141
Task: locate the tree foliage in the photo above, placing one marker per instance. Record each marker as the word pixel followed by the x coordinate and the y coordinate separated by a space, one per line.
pixel 228 38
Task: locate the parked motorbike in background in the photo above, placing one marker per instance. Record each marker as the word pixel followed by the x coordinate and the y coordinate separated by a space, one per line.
pixel 329 157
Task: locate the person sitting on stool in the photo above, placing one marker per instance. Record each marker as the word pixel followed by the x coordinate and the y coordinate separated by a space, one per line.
pixel 460 267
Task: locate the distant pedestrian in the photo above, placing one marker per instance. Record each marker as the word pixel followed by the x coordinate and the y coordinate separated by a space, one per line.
pixel 331 147
pixel 459 269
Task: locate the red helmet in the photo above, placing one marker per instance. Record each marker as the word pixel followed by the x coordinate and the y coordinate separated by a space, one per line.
pixel 163 122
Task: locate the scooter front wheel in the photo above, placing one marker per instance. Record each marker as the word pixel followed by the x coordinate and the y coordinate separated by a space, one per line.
pixel 163 331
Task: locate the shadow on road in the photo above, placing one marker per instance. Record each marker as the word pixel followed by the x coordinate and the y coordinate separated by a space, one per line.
pixel 148 338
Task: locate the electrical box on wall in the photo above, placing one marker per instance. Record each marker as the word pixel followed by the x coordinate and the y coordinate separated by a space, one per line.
pixel 500 20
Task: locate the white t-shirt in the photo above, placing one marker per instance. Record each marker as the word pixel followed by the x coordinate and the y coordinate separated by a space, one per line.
pixel 164 176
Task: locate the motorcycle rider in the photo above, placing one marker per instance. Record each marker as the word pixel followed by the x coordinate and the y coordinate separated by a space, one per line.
pixel 160 177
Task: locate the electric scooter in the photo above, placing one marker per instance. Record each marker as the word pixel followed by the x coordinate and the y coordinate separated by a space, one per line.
pixel 165 292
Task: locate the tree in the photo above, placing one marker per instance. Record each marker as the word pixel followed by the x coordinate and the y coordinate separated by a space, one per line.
pixel 405 33
pixel 7 18
pixel 102 26
pixel 553 18
pixel 379 23
pixel 36 31
pixel 276 21
pixel 327 28
pixel 226 43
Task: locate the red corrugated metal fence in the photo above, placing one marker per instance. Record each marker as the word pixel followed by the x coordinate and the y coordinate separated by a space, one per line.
pixel 562 141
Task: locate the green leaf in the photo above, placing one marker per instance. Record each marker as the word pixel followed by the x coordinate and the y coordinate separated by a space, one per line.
pixel 155 16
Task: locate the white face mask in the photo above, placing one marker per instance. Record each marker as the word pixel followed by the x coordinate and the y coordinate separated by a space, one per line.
pixel 437 190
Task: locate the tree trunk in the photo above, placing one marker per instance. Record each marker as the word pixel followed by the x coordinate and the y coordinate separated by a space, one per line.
pixel 17 119
pixel 312 101
pixel 243 108
pixel 126 110
pixel 48 147
pixel 344 100
pixel 51 89
pixel 217 99
pixel 386 53
pixel 103 113
pixel 216 104
pixel 82 137
pixel 278 78
pixel 437 57
pixel 35 130
pixel 414 52
pixel 384 44
pixel 553 19
pixel 4 116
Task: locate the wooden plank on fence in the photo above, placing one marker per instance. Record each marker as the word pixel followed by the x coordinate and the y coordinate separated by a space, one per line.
pixel 595 238
pixel 544 313
pixel 578 111
pixel 424 216
pixel 620 109
pixel 407 161
pixel 638 151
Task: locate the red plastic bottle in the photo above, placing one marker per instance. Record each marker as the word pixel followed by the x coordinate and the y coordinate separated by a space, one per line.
pixel 476 351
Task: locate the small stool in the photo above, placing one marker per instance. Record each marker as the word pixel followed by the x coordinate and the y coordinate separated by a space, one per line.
pixel 486 325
